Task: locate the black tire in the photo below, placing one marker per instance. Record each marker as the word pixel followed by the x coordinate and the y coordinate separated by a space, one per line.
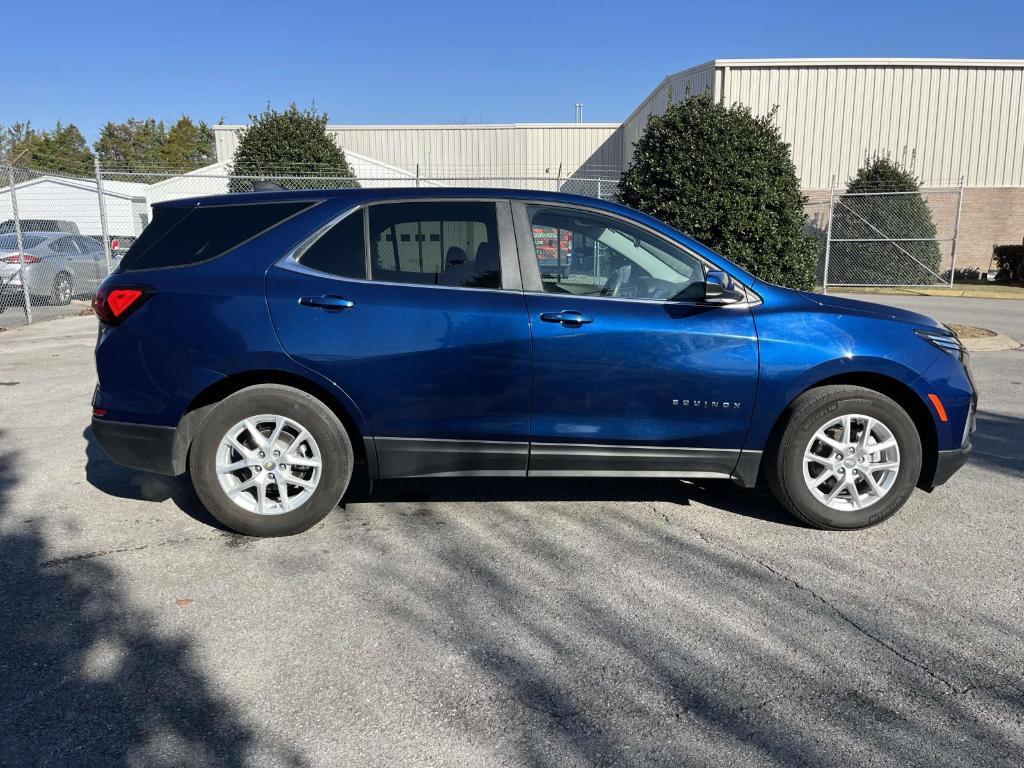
pixel 63 290
pixel 325 428
pixel 784 459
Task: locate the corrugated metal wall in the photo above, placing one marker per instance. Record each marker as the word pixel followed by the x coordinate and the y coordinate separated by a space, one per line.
pixel 943 121
pixel 673 89
pixel 943 118
pixel 474 150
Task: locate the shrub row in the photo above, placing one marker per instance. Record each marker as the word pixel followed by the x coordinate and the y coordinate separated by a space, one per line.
pixel 1010 258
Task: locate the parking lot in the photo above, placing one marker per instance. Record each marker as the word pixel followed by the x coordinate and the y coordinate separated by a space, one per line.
pixel 13 315
pixel 498 622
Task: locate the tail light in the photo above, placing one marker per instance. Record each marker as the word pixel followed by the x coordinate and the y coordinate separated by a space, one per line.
pixel 113 304
pixel 16 258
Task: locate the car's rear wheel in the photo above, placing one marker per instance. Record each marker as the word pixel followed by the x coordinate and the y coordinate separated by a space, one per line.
pixel 63 290
pixel 271 460
pixel 848 457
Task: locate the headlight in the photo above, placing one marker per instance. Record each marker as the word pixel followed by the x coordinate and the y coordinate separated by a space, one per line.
pixel 947 341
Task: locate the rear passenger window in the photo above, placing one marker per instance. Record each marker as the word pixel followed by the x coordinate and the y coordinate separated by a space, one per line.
pixel 339 251
pixel 181 236
pixel 452 244
pixel 65 246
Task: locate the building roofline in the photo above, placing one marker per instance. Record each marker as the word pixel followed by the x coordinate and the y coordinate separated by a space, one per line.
pixel 829 62
pixel 83 184
pixel 681 73
pixel 867 62
pixel 435 126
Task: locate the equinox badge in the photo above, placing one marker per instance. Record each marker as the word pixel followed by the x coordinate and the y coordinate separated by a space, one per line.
pixel 706 404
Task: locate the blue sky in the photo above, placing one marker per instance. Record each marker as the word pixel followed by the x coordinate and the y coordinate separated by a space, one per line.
pixel 435 61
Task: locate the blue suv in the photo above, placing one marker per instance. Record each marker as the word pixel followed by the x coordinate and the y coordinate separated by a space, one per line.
pixel 272 343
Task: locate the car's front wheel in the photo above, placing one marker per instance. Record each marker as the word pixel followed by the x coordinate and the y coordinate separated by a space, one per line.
pixel 848 457
pixel 271 460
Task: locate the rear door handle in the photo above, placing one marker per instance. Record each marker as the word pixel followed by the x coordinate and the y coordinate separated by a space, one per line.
pixel 330 303
pixel 567 317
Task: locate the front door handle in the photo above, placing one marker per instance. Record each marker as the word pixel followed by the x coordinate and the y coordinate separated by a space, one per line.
pixel 330 303
pixel 567 317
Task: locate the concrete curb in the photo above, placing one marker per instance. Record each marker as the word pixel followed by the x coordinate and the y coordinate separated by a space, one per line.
pixel 1017 294
pixel 998 343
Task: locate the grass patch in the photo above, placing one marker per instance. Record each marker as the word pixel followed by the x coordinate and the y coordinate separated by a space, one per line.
pixel 970 331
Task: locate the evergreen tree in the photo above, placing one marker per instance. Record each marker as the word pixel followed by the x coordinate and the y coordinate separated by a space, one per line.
pixel 290 143
pixel 189 146
pixel 859 215
pixel 12 139
pixel 134 145
pixel 62 150
pixel 725 177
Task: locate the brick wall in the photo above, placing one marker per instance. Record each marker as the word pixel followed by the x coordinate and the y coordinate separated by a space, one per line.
pixel 991 216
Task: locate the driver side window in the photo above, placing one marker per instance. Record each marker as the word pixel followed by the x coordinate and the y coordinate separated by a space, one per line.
pixel 587 254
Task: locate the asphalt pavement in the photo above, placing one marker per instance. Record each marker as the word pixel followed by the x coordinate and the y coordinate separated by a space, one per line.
pixel 497 622
pixel 12 315
pixel 1001 315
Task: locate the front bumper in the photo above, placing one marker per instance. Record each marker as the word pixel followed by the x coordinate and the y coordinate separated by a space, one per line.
pixel 948 462
pixel 138 446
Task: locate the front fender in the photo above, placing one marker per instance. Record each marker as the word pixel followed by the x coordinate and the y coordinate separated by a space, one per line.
pixel 779 388
pixel 799 349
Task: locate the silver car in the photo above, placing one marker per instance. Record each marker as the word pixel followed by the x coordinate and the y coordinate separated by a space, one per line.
pixel 58 267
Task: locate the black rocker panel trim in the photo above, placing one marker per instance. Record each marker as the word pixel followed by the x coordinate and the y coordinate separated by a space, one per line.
pixel 574 460
pixel 420 457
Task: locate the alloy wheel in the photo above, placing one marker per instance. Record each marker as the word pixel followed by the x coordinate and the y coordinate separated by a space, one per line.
pixel 851 462
pixel 268 464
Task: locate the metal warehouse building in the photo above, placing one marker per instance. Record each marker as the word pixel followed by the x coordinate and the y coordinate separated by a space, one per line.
pixel 947 119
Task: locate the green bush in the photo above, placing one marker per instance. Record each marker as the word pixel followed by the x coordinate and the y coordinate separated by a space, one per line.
pixel 292 144
pixel 726 178
pixel 1010 258
pixel 861 215
pixel 963 275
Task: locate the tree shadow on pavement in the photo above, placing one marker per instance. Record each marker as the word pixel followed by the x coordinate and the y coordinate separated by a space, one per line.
pixel 87 679
pixel 757 504
pixel 126 483
pixel 597 637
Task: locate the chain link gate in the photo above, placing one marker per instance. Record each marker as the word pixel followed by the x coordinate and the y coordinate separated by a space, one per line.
pixel 892 237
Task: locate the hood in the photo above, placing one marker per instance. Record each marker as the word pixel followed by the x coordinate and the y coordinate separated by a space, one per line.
pixel 853 306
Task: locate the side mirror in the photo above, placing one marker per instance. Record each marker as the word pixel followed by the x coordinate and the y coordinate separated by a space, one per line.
pixel 719 288
pixel 717 284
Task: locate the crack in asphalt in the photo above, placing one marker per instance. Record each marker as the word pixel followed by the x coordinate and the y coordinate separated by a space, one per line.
pixel 871 636
pixel 58 561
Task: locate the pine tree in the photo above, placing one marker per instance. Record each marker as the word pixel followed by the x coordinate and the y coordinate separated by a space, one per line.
pixel 132 146
pixel 62 150
pixel 189 146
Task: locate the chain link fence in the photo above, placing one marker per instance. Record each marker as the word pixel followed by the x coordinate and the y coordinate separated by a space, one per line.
pixel 61 235
pixel 55 247
pixel 891 238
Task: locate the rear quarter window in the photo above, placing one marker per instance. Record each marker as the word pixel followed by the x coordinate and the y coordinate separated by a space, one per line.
pixel 10 242
pixel 177 237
